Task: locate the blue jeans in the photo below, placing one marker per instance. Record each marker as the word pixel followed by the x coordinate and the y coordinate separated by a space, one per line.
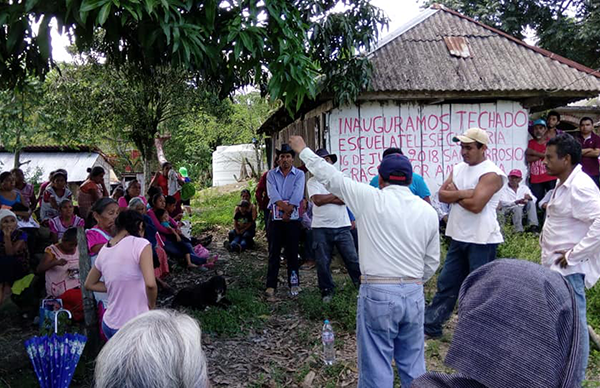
pixel 389 324
pixel 324 239
pixel 462 259
pixel 180 248
pixel 244 240
pixel 108 332
pixel 577 281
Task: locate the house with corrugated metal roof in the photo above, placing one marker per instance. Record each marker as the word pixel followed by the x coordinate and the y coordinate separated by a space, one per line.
pixel 433 78
pixel 39 161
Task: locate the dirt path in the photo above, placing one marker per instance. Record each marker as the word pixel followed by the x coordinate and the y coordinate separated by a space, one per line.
pixel 282 350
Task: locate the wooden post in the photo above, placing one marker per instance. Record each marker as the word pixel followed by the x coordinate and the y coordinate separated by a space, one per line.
pixel 594 338
pixel 89 303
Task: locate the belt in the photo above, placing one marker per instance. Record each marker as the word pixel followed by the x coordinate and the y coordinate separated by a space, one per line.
pixel 367 279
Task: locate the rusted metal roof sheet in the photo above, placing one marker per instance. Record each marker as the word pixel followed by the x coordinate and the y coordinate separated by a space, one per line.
pixel 449 52
pixel 457 46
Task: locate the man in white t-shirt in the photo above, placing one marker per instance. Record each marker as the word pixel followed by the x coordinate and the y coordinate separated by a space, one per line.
pixel 473 189
pixel 331 227
pixel 517 199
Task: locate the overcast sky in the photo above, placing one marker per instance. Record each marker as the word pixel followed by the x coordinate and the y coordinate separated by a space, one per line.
pixel 398 11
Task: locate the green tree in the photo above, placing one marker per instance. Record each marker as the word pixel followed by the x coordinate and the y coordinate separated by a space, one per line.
pixel 20 116
pixel 94 103
pixel 195 138
pixel 566 27
pixel 281 46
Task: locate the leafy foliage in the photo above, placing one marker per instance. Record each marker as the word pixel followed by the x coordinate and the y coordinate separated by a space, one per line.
pixel 236 121
pixel 21 115
pixel 120 105
pixel 565 27
pixel 283 46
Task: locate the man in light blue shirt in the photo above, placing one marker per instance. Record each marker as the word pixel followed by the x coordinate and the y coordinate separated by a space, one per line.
pixel 418 186
pixel 285 188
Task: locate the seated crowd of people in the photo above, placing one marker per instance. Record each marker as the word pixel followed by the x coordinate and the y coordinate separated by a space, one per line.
pixel 39 254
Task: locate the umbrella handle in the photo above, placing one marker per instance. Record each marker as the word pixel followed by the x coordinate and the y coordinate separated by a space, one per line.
pixel 56 318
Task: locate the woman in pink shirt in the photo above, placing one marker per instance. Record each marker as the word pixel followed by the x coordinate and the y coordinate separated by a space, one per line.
pixel 133 189
pixel 66 219
pixel 125 262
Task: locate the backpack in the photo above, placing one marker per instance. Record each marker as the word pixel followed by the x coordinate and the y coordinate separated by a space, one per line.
pixel 187 191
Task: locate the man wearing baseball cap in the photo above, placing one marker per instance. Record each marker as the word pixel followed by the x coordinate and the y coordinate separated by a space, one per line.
pixel 473 189
pixel 399 250
pixel 540 182
pixel 516 199
pixel 330 228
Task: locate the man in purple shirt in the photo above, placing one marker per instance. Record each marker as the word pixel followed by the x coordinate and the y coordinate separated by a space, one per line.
pixel 285 187
pixel 590 149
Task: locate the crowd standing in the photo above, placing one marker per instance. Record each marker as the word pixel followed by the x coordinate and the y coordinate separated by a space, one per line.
pixel 388 236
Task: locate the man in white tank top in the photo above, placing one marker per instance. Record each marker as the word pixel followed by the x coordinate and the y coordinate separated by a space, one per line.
pixel 473 188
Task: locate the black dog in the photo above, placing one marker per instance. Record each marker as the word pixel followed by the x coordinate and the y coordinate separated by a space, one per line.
pixel 200 296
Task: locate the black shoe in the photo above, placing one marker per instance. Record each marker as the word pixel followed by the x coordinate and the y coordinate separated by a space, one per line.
pixel 227 245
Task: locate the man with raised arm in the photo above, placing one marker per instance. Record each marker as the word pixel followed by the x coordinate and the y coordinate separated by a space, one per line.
pixel 473 189
pixel 397 254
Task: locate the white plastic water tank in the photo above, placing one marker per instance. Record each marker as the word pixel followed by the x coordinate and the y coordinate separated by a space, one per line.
pixel 227 163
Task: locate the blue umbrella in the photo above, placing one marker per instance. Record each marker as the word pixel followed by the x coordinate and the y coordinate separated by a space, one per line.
pixel 55 357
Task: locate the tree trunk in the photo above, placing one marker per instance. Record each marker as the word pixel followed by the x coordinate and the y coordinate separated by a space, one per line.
pixel 159 142
pixel 89 303
pixel 17 161
pixel 147 173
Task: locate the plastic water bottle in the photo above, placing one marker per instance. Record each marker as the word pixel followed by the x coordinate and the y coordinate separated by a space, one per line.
pixel 328 348
pixel 294 288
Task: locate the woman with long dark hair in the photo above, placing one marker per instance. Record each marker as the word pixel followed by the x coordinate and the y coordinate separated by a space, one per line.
pixel 125 263
pixel 175 245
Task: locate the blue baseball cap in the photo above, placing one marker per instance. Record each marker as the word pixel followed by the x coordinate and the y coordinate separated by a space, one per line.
pixel 396 168
pixel 540 122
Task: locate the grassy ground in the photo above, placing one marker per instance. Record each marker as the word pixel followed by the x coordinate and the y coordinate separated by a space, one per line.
pixel 257 343
pixel 255 313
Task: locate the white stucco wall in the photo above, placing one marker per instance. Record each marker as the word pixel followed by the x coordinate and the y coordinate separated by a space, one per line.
pixel 360 134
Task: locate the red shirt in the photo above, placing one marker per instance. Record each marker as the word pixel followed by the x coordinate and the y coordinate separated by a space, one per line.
pixel 261 192
pixel 163 182
pixel 590 164
pixel 537 170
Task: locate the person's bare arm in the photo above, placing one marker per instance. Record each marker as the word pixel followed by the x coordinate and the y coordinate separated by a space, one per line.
pixel 49 262
pixel 324 199
pixel 532 155
pixel 487 186
pixel 590 152
pixel 450 194
pixel 148 274
pixel 93 282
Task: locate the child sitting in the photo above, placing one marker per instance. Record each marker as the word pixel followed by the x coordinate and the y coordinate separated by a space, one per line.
pixel 61 267
pixel 192 261
pixel 171 207
pixel 244 229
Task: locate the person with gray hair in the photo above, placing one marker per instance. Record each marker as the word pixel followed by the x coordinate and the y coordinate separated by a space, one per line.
pixel 157 349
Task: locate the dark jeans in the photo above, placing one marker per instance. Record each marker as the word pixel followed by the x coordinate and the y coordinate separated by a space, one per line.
pixel 355 238
pixel 539 190
pixel 324 239
pixel 244 240
pixel 462 259
pixel 283 235
pixel 306 245
pixel 180 248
